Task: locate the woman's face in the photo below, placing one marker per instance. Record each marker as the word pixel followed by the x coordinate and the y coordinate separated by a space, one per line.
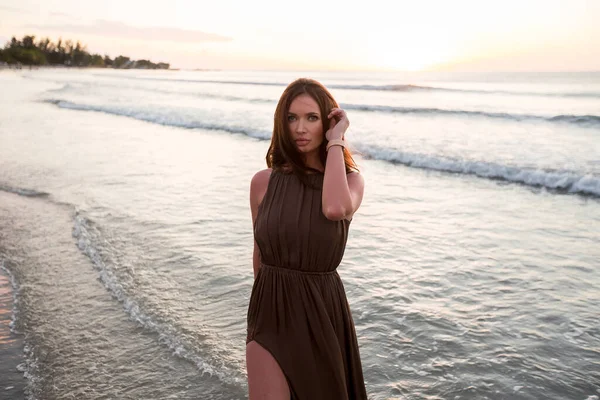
pixel 306 126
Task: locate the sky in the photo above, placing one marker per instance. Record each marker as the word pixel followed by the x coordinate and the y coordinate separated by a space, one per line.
pixel 458 35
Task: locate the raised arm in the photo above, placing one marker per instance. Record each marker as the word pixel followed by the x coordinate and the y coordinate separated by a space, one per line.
pixel 342 193
pixel 258 188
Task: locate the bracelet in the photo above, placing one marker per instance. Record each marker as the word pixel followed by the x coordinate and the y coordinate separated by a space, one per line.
pixel 336 142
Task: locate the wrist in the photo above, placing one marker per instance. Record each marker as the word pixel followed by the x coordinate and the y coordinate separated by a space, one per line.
pixel 336 143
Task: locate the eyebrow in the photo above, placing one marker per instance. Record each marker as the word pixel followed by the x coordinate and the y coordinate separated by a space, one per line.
pixel 310 113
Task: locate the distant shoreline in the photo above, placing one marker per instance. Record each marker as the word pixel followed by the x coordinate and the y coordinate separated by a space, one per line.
pixel 9 67
pixel 66 54
pixel 12 67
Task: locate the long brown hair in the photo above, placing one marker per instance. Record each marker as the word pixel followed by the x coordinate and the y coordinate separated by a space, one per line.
pixel 282 151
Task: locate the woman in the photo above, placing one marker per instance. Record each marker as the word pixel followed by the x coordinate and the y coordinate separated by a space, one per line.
pixel 301 341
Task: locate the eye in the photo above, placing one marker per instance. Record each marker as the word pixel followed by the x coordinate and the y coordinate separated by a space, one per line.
pixel 291 118
pixel 313 118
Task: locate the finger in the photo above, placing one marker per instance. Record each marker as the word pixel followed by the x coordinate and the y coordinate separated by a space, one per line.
pixel 340 114
pixel 335 111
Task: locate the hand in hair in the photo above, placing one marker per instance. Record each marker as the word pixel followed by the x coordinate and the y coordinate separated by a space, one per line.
pixel 338 125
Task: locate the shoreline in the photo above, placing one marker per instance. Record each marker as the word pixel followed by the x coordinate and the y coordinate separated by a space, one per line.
pixel 12 381
pixel 22 67
pixel 77 339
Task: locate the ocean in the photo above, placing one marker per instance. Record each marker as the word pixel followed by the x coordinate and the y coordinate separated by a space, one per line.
pixel 126 239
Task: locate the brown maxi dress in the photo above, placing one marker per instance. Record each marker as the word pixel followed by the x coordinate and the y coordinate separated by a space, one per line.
pixel 298 309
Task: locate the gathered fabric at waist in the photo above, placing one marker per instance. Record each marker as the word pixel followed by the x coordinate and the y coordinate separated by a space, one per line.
pixel 286 269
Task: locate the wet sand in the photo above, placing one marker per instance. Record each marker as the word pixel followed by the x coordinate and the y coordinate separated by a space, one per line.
pixel 12 381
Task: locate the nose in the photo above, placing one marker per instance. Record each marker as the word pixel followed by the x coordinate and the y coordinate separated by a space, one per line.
pixel 300 126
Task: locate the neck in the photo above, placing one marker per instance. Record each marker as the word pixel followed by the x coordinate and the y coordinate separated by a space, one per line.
pixel 312 160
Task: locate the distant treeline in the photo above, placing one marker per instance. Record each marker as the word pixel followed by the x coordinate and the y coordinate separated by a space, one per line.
pixel 67 53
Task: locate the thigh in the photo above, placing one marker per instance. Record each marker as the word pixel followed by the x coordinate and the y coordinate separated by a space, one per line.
pixel 266 380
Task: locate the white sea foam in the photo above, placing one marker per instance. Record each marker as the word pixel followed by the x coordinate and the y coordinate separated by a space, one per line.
pixel 162 119
pixel 566 181
pixel 582 120
pixel 81 231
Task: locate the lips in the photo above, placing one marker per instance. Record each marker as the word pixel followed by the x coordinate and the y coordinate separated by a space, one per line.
pixel 301 142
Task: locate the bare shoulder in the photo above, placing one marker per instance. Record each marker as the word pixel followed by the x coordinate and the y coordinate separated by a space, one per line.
pixel 258 185
pixel 260 179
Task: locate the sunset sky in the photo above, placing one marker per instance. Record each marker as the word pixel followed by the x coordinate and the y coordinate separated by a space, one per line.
pixel 464 35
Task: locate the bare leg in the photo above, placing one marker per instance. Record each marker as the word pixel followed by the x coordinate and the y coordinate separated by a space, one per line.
pixel 266 381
